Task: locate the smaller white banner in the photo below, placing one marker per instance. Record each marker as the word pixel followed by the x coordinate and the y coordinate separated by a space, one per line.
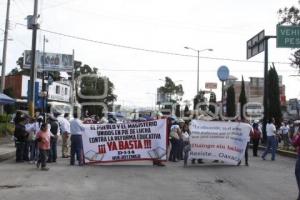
pixel 215 140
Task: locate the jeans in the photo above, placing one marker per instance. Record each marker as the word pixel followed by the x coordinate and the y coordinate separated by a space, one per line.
pixel 297 173
pixel 255 146
pixel 271 144
pixel 246 153
pixel 26 151
pixel 53 149
pixel 174 149
pixel 20 151
pixel 76 148
pixel 43 157
pixel 180 149
pixel 33 150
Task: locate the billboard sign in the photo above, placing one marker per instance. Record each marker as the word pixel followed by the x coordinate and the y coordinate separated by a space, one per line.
pixel 256 44
pixel 49 61
pixel 210 85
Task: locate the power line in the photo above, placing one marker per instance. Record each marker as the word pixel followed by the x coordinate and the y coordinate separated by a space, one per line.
pixel 154 51
pixel 177 70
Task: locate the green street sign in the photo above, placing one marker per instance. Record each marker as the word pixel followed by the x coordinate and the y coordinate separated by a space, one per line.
pixel 288 36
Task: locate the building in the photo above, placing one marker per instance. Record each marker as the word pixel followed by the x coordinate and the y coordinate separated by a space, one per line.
pixel 254 89
pixel 59 93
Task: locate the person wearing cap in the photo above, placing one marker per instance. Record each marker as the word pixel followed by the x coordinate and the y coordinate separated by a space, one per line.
pixel 43 138
pixel 77 129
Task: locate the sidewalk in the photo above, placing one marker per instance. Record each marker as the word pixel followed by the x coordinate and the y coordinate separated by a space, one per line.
pixel 286 153
pixel 7 148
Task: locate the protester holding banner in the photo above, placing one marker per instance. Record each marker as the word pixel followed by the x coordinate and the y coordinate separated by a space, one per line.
pixel 271 139
pixel 296 143
pixel 174 139
pixel 77 129
pixel 180 141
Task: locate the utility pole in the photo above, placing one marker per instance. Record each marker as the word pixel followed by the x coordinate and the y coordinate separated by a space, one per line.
pixel 72 91
pixel 4 53
pixel 35 26
pixel 44 93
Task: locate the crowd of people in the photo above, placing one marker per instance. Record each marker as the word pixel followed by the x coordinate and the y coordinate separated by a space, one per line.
pixel 36 140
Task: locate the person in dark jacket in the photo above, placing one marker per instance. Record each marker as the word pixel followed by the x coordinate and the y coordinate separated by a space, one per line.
pixel 20 135
pixel 53 139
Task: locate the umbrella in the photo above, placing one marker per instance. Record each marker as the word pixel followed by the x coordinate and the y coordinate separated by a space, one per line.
pixel 4 99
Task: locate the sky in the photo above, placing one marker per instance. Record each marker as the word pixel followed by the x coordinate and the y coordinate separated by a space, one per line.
pixel 160 25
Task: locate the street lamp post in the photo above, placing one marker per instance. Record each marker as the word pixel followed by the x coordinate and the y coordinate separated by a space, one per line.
pixel 44 93
pixel 198 53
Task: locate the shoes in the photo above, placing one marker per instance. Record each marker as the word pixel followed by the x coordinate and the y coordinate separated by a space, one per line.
pixel 38 165
pixel 247 164
pixel 44 168
pixel 200 161
pixel 160 164
pixel 263 158
pixel 239 163
pixel 65 156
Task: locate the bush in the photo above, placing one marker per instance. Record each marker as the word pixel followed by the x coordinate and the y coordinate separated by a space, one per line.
pixel 5 118
pixel 6 129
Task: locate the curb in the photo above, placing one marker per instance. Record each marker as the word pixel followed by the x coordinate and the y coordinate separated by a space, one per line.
pixel 6 156
pixel 280 152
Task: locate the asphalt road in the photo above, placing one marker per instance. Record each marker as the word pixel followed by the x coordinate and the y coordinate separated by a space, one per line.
pixel 262 180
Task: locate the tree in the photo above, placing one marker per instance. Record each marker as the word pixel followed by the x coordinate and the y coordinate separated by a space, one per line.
pixel 186 111
pixel 200 98
pixel 212 100
pixel 274 96
pixel 230 102
pixel 177 111
pixel 92 84
pixel 242 99
pixel 291 16
pixel 172 92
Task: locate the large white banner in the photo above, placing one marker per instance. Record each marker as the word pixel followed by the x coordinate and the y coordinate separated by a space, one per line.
pixel 215 140
pixel 125 142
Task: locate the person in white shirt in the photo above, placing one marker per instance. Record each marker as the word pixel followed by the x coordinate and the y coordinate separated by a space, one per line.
pixel 65 133
pixel 285 134
pixel 77 129
pixel 271 139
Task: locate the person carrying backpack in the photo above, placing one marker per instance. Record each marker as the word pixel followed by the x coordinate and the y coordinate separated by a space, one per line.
pixel 255 136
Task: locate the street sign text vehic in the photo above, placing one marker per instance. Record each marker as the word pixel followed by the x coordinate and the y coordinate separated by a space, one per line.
pixel 210 85
pixel 256 44
pixel 288 36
